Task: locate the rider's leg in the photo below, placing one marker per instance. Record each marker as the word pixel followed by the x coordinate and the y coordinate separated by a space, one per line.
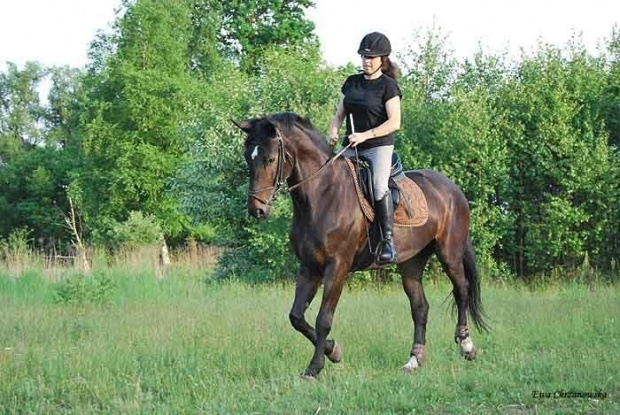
pixel 381 159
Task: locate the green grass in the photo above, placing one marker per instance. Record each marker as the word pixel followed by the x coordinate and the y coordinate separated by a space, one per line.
pixel 181 345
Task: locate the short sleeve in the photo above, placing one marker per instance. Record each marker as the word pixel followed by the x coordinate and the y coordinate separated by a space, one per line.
pixel 391 90
pixel 346 86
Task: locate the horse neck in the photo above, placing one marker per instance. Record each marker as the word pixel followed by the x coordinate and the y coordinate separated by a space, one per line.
pixel 309 158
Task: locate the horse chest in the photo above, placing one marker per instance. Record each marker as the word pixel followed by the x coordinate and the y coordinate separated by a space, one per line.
pixel 309 246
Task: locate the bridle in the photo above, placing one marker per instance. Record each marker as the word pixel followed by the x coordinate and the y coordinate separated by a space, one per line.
pixel 279 180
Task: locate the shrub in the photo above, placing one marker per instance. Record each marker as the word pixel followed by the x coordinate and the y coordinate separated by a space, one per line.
pixel 79 289
pixel 138 230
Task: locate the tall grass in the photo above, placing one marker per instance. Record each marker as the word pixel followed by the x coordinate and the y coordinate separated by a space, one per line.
pixel 186 344
pixel 192 258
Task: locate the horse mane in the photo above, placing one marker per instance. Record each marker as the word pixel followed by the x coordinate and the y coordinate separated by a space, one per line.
pixel 287 121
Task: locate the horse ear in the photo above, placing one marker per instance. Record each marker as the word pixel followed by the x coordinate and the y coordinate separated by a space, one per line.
pixel 270 128
pixel 244 125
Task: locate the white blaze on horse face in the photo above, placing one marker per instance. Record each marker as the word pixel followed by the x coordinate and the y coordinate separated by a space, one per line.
pixel 254 153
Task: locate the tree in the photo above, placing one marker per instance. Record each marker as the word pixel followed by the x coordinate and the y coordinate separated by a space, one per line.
pixel 136 100
pixel 36 159
pixel 248 27
pixel 20 109
pixel 559 159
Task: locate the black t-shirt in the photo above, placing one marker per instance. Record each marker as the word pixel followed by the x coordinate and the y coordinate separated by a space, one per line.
pixel 365 99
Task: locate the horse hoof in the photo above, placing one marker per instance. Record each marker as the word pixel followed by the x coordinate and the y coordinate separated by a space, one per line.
pixel 336 355
pixel 471 355
pixel 308 378
pixel 410 366
pixel 468 350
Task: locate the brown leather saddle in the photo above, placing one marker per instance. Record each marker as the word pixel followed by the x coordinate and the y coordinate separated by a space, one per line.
pixel 410 207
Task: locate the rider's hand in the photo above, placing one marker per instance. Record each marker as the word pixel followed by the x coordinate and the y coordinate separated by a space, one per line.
pixel 333 140
pixel 357 138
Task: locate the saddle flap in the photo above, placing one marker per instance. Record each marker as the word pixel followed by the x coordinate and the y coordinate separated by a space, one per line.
pixel 364 167
pixel 412 209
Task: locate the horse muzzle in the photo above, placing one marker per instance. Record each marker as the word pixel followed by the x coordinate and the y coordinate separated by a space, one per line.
pixel 258 209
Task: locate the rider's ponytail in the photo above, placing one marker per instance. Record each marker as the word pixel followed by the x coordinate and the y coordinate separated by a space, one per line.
pixel 389 68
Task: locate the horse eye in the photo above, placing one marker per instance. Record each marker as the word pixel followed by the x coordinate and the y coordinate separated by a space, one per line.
pixel 271 160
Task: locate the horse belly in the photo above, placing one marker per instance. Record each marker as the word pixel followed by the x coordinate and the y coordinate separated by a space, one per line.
pixel 410 241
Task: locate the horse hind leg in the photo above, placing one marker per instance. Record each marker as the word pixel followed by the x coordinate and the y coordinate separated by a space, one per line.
pixel 466 293
pixel 411 272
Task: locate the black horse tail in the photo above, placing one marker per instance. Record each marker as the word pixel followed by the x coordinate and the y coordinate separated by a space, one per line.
pixel 475 302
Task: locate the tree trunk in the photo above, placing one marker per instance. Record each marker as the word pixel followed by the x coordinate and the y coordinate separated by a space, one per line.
pixel 164 255
pixel 193 250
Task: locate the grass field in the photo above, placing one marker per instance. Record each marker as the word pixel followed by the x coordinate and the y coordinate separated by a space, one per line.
pixel 185 345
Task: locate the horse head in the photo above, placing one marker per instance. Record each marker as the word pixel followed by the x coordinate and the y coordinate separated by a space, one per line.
pixel 268 164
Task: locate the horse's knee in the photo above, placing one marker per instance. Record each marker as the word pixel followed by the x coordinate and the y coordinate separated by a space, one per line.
pixel 297 320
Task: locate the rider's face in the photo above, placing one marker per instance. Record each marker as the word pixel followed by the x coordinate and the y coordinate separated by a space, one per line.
pixel 370 64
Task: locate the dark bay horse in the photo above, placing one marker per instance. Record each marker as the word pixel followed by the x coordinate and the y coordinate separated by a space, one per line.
pixel 328 233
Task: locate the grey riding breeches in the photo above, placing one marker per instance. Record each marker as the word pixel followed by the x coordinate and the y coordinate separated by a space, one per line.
pixel 381 160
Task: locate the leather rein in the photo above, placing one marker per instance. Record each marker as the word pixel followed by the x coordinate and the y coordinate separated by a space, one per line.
pixel 279 180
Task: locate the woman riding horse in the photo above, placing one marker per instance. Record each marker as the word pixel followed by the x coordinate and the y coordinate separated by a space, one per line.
pixel 371 106
pixel 328 232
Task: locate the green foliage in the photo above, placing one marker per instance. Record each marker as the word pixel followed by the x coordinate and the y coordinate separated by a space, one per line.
pixel 559 175
pixel 20 109
pixel 17 245
pixel 138 230
pixel 38 151
pixel 79 289
pixel 135 104
pixel 267 255
pixel 248 27
pixel 33 194
pixel 203 233
pixel 527 143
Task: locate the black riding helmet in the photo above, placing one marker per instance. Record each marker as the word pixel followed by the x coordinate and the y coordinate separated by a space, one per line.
pixel 375 44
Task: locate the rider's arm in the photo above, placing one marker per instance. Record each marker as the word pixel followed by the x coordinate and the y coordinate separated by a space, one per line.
pixel 336 122
pixel 392 107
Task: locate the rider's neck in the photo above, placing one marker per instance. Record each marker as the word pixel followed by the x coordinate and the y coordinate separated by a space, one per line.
pixel 374 75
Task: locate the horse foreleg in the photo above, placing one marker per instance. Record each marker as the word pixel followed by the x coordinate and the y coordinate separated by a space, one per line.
pixel 335 276
pixel 305 289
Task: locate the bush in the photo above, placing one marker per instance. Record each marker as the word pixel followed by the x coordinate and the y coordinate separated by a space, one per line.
pixel 16 246
pixel 79 289
pixel 138 230
pixel 267 256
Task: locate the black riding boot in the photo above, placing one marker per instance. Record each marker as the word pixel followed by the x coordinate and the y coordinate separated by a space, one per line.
pixel 384 210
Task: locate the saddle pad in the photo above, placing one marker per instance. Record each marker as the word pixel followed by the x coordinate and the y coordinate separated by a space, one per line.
pixel 412 200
